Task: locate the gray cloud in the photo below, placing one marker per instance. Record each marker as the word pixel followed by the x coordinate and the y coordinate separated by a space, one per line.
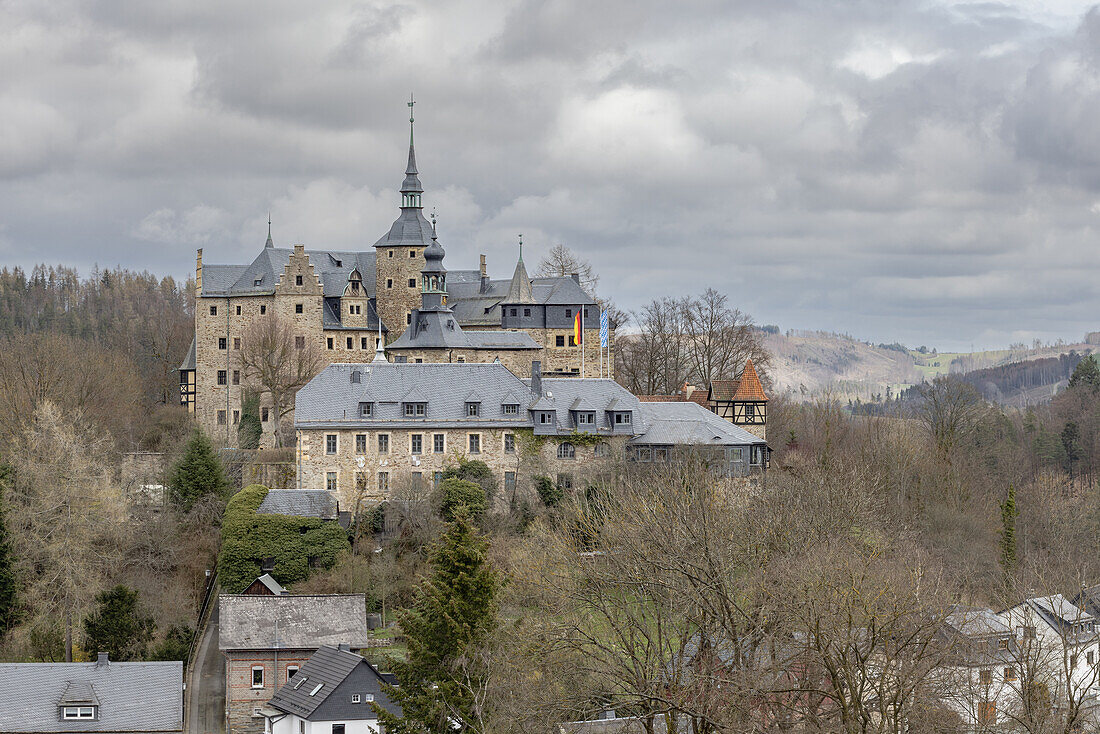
pixel 914 171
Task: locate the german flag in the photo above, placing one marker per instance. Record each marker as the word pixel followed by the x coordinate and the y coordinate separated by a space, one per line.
pixel 577 327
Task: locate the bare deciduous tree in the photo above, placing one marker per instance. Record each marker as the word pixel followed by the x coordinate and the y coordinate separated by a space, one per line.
pixel 948 408
pixel 278 362
pixel 655 360
pixel 561 262
pixel 720 338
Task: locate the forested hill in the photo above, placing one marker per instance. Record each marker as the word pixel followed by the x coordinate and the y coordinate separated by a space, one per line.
pixel 1024 383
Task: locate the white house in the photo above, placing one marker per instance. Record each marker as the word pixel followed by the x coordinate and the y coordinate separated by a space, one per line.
pixel 331 694
pixel 979 679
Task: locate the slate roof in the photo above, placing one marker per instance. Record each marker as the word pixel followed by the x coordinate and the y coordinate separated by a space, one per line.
pixel 473 307
pixel 977 622
pixel 304 622
pixel 689 424
pixel 340 674
pixel 189 361
pixel 519 290
pixel 271 584
pixel 317 503
pixel 331 398
pixel 144 696
pixel 331 266
pixel 331 316
pixel 600 395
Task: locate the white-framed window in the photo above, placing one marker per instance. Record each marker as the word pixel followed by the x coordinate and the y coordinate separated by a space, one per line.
pixel 78 712
pixel 546 418
pixel 330 481
pixel 622 419
pixel 355 698
pixel 415 410
pixel 360 443
pixel 416 443
pixel 366 410
pixel 257 676
pixel 473 410
pixel 510 408
pixel 475 443
pixel 330 443
pixel 383 443
pixel 586 419
pixel 439 443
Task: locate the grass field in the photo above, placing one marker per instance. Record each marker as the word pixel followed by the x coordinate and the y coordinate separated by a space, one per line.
pixel 934 365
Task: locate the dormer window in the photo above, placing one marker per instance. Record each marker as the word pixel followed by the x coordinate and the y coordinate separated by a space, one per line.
pixel 585 418
pixel 622 418
pixel 366 410
pixel 416 410
pixel 546 418
pixel 473 410
pixel 258 281
pixel 88 713
pixel 510 408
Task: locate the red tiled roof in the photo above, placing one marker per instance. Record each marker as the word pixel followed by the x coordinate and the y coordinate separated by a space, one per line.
pixel 723 389
pixel 749 387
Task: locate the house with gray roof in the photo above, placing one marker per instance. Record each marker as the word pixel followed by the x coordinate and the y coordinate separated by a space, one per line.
pixel 366 429
pixel 101 696
pixel 266 639
pixel 335 690
pixel 301 503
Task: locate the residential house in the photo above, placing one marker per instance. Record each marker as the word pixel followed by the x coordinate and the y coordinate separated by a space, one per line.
pixel 333 693
pixel 101 696
pixel 267 639
pixel 741 401
pixel 980 677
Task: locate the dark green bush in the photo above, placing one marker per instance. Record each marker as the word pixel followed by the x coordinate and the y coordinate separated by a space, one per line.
pixel 549 492
pixel 248 538
pixel 458 493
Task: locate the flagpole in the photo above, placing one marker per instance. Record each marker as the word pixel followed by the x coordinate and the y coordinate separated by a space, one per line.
pixel 580 315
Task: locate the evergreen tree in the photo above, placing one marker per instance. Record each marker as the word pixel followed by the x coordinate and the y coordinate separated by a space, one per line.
pixel 1087 373
pixel 460 495
pixel 7 560
pixel 1008 531
pixel 199 473
pixel 455 610
pixel 1071 441
pixel 250 430
pixel 116 627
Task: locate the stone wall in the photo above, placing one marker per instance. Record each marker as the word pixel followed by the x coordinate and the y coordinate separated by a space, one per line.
pixel 567 359
pixel 393 264
pixel 518 361
pixel 241 698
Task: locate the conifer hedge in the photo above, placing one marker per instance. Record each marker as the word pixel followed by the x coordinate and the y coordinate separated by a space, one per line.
pixel 248 538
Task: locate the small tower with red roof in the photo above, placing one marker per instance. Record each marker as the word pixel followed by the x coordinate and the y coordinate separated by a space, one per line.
pixel 742 401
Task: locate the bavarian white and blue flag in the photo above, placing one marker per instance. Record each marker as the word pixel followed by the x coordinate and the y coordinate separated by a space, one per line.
pixel 603 328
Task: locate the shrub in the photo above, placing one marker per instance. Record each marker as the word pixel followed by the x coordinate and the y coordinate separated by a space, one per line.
pixel 198 474
pixel 116 626
pixel 472 470
pixel 248 538
pixel 461 493
pixel 250 430
pixel 175 645
pixel 549 492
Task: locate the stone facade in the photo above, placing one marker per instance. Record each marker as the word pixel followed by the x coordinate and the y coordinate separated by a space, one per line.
pixel 242 699
pixel 365 476
pixel 518 361
pixel 397 267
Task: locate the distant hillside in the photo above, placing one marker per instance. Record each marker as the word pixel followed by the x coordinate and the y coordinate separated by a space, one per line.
pixel 806 364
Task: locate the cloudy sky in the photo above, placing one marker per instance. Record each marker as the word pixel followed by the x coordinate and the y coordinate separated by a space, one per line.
pixel 921 171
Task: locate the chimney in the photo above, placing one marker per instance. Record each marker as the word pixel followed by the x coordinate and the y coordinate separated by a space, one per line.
pixel 484 277
pixel 102 661
pixel 482 266
pixel 536 378
pixel 344 647
pixel 576 278
pixel 198 271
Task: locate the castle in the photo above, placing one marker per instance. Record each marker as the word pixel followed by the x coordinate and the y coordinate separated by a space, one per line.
pixel 349 304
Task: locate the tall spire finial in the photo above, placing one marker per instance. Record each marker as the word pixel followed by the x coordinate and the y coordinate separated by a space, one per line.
pixel 521 248
pixel 379 349
pixel 411 103
pixel 433 218
pixel 269 243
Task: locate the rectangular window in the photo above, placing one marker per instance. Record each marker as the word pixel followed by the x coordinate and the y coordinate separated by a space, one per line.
pixel 221 377
pixel 290 671
pixel 586 419
pixel 1002 644
pixel 238 310
pixel 546 418
pixel 350 343
pixel 412 282
pixel 559 341
pixel 329 343
pixel 460 360
pixel 383 443
pixel 297 280
pixel 265 414
pixel 415 410
pixel 438 443
pixel 412 253
pixel 330 443
pixel 298 308
pixel 236 377
pixel 572 340
pixel 213 310
pixel 330 481
pixel 236 342
pixel 987 712
pixel 366 410
pixel 565 481
pixel 750 410
pixel 416 478
pixel 509 443
pixel 337 729
pixel 475 443
pixel 263 309
pixel 586 313
pixel 473 410
pixel 78 712
pixel 299 342
pixel 416 443
pixel 437 479
pixel 1010 674
pixel 526 312
pixel 360 443
pixel 221 342
pixel 568 313
pixel 221 417
pixel 389 281
pixel 509 481
pixel 384 481
pixel 236 417
pixel 363 344
pixel 510 409
pixel 622 419
pixel 257 676
pixel 360 481
pixel 985 677
pixel 355 698
pixel 1090 657
pixel 513 312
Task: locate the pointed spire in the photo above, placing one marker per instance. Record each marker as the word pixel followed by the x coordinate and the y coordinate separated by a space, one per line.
pixel 269 243
pixel 411 188
pixel 749 386
pixel 519 291
pixel 379 349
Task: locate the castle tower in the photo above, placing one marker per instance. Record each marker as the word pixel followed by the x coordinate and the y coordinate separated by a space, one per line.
pixel 400 252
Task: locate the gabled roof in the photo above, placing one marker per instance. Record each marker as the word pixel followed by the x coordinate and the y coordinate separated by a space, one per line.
pixel 188 362
pixel 749 387
pixel 331 266
pixel 340 674
pixel 977 623
pixel 519 290
pixel 304 622
pixel 440 329
pixel 132 697
pixel 689 424
pixel 318 503
pixel 269 583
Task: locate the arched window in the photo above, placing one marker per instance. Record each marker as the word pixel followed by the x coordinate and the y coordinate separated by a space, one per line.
pixel 567 450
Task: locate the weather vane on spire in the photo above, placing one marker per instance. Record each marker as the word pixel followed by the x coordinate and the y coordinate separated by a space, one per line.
pixel 411 102
pixel 521 248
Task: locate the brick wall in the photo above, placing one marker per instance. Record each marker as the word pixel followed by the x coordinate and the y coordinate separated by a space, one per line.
pixel 241 698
